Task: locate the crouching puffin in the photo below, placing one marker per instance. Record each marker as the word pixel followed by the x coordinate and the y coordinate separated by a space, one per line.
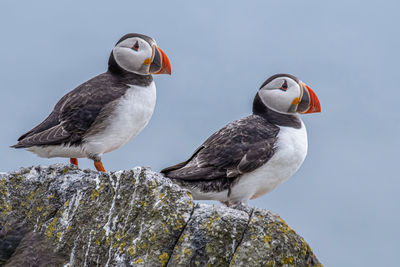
pixel 105 112
pixel 251 156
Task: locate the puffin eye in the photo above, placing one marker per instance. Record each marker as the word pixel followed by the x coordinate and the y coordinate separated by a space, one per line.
pixel 136 46
pixel 284 86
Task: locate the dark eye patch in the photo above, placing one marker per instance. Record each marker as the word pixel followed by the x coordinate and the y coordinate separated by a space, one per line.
pixel 136 46
pixel 284 86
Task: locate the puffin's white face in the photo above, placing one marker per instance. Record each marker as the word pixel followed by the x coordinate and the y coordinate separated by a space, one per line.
pixel 138 56
pixel 285 95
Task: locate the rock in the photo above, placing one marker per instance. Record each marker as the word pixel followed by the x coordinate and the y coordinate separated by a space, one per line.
pixel 62 216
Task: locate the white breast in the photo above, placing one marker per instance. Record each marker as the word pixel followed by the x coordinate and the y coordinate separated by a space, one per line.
pixel 131 115
pixel 291 150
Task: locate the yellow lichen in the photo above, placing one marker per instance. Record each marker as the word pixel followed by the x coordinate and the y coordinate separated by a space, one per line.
pixel 66 203
pixel 7 208
pixel 121 247
pixel 271 263
pixel 287 260
pixel 31 196
pixel 182 237
pixel 140 260
pixel 178 225
pixel 51 228
pixel 285 227
pixel 59 234
pixel 94 195
pixel 304 248
pixel 267 239
pixel 3 188
pixel 234 257
pixel 39 226
pixel 210 222
pixel 163 258
pixel 131 250
pixel 153 184
pixel 98 242
pixel 187 251
pixel 118 235
pixel 153 237
pixel 39 209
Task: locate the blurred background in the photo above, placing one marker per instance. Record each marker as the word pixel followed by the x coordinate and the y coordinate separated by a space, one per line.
pixel 345 198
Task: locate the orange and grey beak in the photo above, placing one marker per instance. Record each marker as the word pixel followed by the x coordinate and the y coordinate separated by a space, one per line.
pixel 160 63
pixel 309 102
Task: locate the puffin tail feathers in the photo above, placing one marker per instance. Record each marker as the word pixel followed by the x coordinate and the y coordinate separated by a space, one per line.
pixel 18 145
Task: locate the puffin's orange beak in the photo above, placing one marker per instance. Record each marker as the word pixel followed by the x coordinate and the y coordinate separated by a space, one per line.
pixel 160 64
pixel 309 102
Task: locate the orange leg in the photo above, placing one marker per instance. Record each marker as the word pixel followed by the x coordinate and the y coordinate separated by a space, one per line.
pixel 74 161
pixel 99 166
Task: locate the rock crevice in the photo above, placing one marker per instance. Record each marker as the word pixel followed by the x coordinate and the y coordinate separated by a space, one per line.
pixel 62 216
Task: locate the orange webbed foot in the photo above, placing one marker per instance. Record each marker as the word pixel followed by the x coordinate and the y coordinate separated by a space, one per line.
pixel 74 161
pixel 99 166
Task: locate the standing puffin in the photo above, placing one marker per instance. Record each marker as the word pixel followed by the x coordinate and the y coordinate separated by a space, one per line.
pixel 250 157
pixel 105 112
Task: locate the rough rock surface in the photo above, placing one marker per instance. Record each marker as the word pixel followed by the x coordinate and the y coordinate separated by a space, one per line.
pixel 62 216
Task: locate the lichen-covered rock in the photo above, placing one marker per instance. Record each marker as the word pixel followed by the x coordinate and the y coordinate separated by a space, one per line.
pixel 269 241
pixel 62 216
pixel 210 237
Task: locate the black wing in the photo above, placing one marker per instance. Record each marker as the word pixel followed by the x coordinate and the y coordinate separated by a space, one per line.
pixel 240 147
pixel 75 113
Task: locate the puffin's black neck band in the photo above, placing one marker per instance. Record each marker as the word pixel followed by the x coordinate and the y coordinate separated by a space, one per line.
pixel 113 66
pixel 274 117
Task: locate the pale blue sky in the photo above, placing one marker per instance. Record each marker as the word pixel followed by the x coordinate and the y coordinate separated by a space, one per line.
pixel 344 200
